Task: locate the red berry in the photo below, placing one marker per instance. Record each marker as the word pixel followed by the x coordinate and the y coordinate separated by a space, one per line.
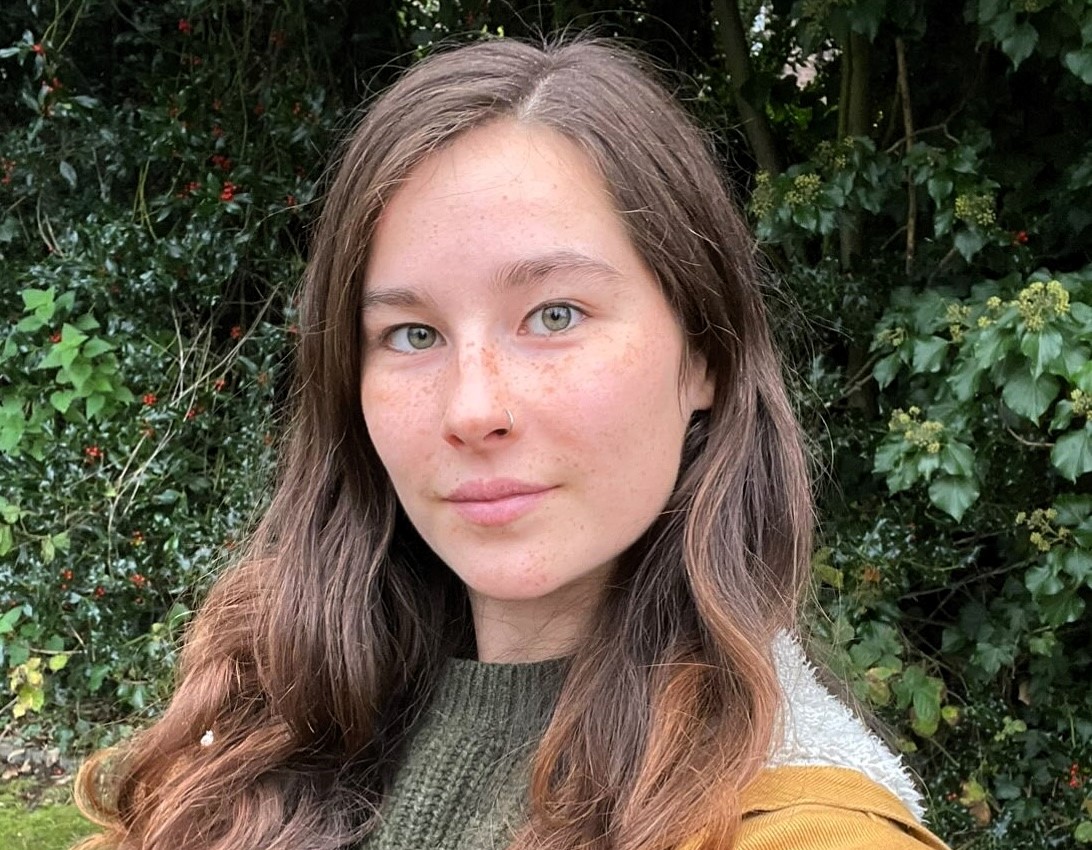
pixel 237 332
pixel 184 26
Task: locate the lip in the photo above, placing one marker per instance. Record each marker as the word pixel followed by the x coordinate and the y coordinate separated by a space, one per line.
pixel 496 501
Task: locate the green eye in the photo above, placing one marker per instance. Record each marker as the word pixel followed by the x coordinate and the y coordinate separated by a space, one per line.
pixel 412 338
pixel 557 317
pixel 553 318
pixel 420 337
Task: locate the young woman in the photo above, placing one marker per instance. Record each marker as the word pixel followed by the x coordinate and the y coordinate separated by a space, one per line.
pixel 531 571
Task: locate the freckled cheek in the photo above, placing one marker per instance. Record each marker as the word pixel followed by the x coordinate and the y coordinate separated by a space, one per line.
pixel 630 390
pixel 397 414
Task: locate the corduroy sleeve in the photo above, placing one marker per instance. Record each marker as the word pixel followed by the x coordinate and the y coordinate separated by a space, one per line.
pixel 826 808
pixel 817 827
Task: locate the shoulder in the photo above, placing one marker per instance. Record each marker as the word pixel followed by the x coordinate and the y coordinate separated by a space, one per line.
pixel 827 808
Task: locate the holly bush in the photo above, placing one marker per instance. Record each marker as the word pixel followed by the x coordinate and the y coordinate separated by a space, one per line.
pixel 159 170
pixel 920 176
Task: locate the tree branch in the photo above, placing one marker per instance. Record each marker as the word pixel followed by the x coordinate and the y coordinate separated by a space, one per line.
pixel 908 128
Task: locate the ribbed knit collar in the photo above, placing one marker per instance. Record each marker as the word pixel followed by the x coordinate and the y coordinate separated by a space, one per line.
pixel 517 698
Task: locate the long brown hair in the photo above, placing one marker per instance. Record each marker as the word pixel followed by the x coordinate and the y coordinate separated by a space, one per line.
pixel 311 658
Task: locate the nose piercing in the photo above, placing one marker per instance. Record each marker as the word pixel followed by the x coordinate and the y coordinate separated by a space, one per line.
pixel 511 421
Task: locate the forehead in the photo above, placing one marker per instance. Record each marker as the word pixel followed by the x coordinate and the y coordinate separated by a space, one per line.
pixel 497 194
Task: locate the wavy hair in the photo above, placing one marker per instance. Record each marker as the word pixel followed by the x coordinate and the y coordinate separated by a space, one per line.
pixel 313 655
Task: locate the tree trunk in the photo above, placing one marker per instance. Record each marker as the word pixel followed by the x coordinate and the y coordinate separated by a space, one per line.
pixel 737 58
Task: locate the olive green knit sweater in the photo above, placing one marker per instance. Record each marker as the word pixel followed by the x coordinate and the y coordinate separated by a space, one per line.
pixel 463 778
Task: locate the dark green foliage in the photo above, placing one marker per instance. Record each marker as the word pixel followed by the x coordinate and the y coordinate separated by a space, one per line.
pixel 158 167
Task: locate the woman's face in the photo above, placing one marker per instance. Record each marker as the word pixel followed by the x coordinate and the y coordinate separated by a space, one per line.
pixel 501 280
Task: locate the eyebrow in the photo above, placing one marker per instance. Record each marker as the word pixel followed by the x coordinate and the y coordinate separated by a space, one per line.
pixel 519 274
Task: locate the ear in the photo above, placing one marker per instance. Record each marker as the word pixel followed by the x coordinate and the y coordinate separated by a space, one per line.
pixel 700 384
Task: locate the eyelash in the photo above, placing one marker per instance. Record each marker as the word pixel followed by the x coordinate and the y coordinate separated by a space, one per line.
pixel 578 317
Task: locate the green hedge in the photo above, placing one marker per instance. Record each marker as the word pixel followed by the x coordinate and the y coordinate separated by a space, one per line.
pixel 920 174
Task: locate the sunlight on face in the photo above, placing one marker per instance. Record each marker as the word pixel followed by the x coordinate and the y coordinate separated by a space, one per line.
pixel 502 280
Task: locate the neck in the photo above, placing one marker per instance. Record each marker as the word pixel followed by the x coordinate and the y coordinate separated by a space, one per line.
pixel 527 630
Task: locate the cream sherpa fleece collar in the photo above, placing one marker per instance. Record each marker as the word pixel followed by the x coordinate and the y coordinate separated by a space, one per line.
pixel 819 730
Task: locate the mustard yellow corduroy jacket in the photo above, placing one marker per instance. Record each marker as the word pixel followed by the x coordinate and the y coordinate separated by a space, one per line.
pixel 827 808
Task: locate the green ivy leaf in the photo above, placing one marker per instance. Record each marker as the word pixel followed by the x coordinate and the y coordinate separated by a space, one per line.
pixel 62 399
pixel 929 354
pixel 1042 580
pixel 13 424
pixel 40 301
pixel 1061 608
pixel 95 403
pixel 969 242
pixel 1063 416
pixel 71 337
pixel 1042 348
pixel 9 512
pixel 1082 378
pixel 1072 453
pixel 1080 63
pixel 30 324
pixel 96 346
pixel 953 494
pixel 926 705
pixel 965 378
pixel 8 621
pixel 940 187
pixel 886 369
pixel 1020 43
pixel 1073 508
pixel 1029 396
pixel 1077 564
pixel 958 459
pixel 991 346
pixel 1074 358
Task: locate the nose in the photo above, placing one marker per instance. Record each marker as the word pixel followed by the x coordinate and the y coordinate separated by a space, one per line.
pixel 477 413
